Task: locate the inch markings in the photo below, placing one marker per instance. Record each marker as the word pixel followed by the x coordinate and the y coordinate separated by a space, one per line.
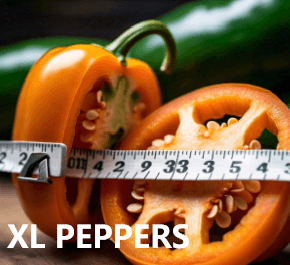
pixel 14 155
pixel 189 165
pixel 183 165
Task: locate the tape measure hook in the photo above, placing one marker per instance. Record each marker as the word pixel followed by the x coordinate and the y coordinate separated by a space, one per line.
pixel 34 160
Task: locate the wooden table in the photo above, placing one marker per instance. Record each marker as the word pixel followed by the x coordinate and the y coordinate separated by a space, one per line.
pixel 12 213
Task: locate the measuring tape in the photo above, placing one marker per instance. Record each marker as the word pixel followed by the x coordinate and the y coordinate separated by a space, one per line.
pixel 49 159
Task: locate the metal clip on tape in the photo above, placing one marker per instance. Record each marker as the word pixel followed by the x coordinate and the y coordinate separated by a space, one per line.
pixel 36 159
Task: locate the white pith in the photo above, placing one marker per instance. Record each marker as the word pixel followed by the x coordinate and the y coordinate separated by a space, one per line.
pixel 235 195
pixel 98 118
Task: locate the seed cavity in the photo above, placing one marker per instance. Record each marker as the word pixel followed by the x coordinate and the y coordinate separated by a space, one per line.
pixel 255 145
pixel 220 206
pixel 137 194
pixel 234 196
pixel 107 114
pixel 103 105
pixel 142 189
pixel 230 203
pixel 89 102
pixel 247 196
pixel 92 114
pixel 253 186
pixel 99 99
pixel 223 219
pixel 238 185
pixel 140 182
pixel 86 138
pixel 206 134
pixel 99 96
pixel 89 125
pixel 213 125
pixel 213 212
pixel 241 203
pixel 157 143
pixel 179 212
pixel 224 125
pixel 215 200
pixel 179 221
pixel 168 138
pixel 239 195
pixel 232 121
pixel 237 190
pixel 135 208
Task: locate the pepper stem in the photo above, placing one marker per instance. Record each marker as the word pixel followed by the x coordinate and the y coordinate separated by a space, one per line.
pixel 129 38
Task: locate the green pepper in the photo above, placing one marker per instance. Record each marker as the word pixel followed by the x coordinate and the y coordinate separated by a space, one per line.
pixel 217 41
pixel 239 41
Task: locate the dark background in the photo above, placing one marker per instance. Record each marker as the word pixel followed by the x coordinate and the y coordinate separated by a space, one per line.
pixel 22 20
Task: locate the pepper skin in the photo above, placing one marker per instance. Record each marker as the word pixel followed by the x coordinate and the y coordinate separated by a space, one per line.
pixel 248 215
pixel 84 96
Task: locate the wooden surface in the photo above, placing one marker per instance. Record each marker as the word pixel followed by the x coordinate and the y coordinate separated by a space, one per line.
pixel 12 213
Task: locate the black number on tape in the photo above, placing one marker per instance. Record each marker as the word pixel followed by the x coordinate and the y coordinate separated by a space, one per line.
pixel 2 156
pixel 119 165
pixel 71 162
pixel 183 164
pixel 171 165
pixel 263 167
pixel 210 166
pixel 24 157
pixel 234 167
pixel 81 163
pixel 146 165
pixel 287 171
pixel 99 166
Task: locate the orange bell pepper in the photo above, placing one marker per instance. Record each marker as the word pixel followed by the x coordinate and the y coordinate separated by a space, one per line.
pixel 85 96
pixel 246 217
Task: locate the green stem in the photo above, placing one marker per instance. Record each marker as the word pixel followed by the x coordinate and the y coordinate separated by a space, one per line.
pixel 129 38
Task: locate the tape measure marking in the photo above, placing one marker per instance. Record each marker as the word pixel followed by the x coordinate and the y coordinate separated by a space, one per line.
pixel 181 165
pixel 150 164
pixel 14 155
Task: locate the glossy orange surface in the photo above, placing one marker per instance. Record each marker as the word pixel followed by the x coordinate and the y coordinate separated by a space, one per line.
pixel 47 111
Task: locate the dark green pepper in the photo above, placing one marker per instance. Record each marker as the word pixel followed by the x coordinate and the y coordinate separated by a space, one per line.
pixel 240 41
pixel 217 42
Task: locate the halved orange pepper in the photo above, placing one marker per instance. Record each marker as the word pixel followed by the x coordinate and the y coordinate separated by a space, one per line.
pixel 248 216
pixel 85 96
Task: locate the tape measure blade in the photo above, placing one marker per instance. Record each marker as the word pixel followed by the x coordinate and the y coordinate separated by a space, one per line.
pixel 14 154
pixel 150 164
pixel 182 165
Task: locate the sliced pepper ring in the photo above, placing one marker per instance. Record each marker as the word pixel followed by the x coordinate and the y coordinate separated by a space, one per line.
pixel 85 96
pixel 183 119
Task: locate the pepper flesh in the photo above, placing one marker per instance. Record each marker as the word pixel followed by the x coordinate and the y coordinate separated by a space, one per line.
pixel 184 118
